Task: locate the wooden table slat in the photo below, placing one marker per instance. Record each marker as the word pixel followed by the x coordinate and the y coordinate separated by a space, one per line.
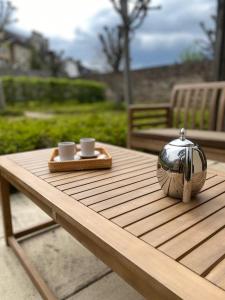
pixel 167 231
pixel 45 170
pixel 206 256
pixel 61 176
pixel 149 223
pixel 79 187
pixel 146 175
pixel 123 190
pixel 217 275
pixel 191 238
pixel 61 184
pixel 142 212
pixel 121 204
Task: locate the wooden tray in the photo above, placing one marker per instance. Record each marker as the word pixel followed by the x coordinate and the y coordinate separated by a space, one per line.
pixel 83 164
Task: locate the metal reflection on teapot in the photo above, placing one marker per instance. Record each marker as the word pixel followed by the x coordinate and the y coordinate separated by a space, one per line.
pixel 181 168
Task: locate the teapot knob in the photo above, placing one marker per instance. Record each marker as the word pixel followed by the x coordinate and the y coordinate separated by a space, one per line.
pixel 182 134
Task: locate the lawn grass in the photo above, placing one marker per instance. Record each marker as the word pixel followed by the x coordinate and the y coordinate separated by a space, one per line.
pixel 66 107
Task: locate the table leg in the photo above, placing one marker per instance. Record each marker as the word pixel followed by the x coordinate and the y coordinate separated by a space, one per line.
pixel 6 208
pixel 10 239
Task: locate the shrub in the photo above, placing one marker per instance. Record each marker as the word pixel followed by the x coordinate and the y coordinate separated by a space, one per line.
pixel 24 134
pixel 51 89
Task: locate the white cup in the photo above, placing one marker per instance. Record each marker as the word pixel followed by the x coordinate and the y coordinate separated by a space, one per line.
pixel 67 150
pixel 87 146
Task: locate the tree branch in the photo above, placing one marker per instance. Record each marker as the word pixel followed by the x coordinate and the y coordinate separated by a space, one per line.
pixel 7 11
pixel 116 6
pixel 208 46
pixel 112 40
pixel 112 46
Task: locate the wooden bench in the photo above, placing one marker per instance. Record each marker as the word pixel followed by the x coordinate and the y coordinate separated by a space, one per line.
pixel 200 108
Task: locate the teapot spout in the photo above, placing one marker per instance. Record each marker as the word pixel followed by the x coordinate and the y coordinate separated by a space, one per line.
pixel 188 163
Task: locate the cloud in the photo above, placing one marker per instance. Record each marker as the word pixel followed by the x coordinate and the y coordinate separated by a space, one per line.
pixel 167 33
pixel 86 46
pixel 57 18
pixel 161 39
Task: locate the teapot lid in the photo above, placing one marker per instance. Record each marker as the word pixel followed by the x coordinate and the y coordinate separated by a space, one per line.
pixel 182 141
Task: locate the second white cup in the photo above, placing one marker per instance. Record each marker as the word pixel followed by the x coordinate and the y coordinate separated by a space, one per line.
pixel 87 146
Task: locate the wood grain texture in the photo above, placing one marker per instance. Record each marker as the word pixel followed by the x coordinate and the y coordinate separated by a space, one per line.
pixel 174 227
pixel 206 256
pixel 217 275
pixel 149 223
pixel 134 197
pixel 221 113
pixel 195 235
pixel 6 209
pixel 194 107
pixel 161 246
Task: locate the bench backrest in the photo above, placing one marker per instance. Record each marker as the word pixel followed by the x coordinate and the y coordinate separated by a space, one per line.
pixel 200 105
pixel 220 124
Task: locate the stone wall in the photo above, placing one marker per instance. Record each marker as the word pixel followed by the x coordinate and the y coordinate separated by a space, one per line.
pixel 155 84
pixel 9 71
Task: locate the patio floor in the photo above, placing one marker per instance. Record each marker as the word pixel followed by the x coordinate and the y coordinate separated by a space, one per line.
pixel 70 270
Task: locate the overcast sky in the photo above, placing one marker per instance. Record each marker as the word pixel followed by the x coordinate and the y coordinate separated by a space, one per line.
pixel 73 26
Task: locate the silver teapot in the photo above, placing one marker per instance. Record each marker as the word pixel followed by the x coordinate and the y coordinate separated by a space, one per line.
pixel 181 168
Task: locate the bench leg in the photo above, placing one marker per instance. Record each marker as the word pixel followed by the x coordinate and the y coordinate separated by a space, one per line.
pixel 128 142
pixel 129 138
pixel 6 209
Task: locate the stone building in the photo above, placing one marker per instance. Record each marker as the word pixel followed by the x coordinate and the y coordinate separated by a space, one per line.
pixel 17 52
pixel 14 51
pixel 39 42
pixel 27 54
pixel 74 68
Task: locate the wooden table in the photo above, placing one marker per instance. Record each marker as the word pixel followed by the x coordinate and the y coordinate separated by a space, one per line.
pixel 162 247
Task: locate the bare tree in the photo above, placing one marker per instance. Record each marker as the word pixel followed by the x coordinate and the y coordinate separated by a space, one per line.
pixel 220 42
pixel 207 45
pixel 7 11
pixel 112 46
pixel 131 19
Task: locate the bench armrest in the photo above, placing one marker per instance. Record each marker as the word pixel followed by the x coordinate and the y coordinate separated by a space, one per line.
pixel 148 116
pixel 144 107
pixel 153 115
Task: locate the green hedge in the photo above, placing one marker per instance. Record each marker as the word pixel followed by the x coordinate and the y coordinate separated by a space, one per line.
pixel 51 89
pixel 23 134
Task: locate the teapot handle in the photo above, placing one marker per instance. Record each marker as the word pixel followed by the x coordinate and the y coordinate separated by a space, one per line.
pixel 188 163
